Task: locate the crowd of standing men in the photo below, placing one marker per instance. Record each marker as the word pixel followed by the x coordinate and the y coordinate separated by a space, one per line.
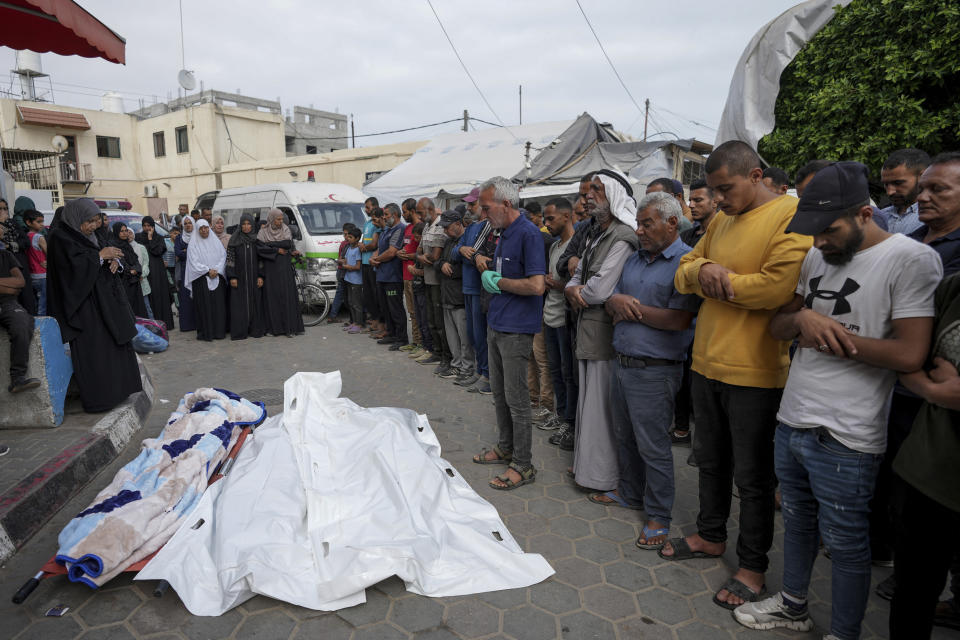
pixel 811 347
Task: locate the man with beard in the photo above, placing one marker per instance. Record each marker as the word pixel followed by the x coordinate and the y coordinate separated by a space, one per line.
pixel 614 239
pixel 431 246
pixel 900 175
pixel 407 255
pixel 744 268
pixel 863 311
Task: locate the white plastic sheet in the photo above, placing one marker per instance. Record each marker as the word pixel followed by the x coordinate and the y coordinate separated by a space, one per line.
pixel 748 114
pixel 331 498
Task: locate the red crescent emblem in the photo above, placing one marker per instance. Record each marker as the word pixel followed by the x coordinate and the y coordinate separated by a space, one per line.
pixel 332 198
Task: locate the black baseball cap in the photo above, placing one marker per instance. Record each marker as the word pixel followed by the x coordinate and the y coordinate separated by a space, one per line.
pixel 447 218
pixel 832 192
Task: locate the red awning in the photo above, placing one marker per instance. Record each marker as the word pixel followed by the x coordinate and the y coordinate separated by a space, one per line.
pixel 58 26
pixel 51 118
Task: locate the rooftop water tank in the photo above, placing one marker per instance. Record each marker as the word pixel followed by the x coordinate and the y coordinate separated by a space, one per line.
pixel 111 102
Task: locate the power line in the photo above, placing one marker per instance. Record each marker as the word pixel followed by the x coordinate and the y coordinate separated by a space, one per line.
pixel 467 71
pixel 492 124
pixel 609 61
pixel 383 133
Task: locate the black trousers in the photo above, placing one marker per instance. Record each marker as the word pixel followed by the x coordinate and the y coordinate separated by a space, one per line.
pixel 683 404
pixel 370 299
pixel 903 411
pixel 19 326
pixel 395 314
pixel 921 562
pixel 355 302
pixel 435 316
pixel 733 442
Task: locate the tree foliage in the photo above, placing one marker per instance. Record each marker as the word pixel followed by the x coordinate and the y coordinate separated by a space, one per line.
pixel 881 75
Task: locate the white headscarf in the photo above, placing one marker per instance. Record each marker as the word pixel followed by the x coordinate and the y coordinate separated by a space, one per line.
pixel 623 206
pixel 186 235
pixel 204 254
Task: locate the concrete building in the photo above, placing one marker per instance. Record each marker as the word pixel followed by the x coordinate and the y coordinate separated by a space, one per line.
pixel 311 131
pixel 166 154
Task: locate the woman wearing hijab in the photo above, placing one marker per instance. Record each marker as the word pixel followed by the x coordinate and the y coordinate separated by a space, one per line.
pixel 219 226
pixel 132 269
pixel 187 320
pixel 203 278
pixel 103 231
pixel 245 275
pixel 89 302
pixel 159 287
pixel 281 307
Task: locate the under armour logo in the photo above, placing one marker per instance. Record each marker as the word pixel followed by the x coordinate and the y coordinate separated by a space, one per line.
pixel 840 306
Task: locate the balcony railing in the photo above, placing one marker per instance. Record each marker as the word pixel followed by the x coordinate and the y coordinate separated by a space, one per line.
pixel 71 171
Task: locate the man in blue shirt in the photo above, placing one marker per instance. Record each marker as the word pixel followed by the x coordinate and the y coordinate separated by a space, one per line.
pixel 476 318
pixel 516 277
pixel 368 245
pixel 900 176
pixel 652 332
pixel 390 278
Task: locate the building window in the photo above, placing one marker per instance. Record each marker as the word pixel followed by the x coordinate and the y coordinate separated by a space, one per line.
pixel 159 145
pixel 311 149
pixel 181 134
pixel 692 171
pixel 108 147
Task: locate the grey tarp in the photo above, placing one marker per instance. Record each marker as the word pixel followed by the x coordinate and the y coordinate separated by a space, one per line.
pixel 748 114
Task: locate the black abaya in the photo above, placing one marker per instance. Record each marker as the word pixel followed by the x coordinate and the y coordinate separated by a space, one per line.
pixel 187 321
pixel 281 308
pixel 246 310
pixel 131 271
pixel 209 309
pixel 159 287
pixel 91 307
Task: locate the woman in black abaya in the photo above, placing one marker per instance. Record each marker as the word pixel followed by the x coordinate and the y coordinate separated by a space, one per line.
pixel 159 287
pixel 187 321
pixel 130 277
pixel 245 275
pixel 280 304
pixel 203 277
pixel 89 302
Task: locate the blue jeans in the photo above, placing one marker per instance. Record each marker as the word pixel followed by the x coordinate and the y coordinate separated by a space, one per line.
pixel 563 370
pixel 641 401
pixel 825 491
pixel 477 330
pixel 339 298
pixel 40 290
pixel 146 302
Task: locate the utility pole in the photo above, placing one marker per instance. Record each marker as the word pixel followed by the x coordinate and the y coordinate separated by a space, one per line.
pixel 646 114
pixel 466 119
pixel 521 104
pixel 353 134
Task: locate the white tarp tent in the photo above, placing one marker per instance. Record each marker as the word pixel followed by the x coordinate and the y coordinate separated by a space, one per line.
pixel 455 163
pixel 330 498
pixel 748 114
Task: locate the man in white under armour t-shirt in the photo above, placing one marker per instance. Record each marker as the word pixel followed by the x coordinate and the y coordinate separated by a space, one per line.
pixel 863 312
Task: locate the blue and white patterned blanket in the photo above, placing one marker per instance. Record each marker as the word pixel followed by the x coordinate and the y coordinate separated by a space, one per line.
pixel 144 504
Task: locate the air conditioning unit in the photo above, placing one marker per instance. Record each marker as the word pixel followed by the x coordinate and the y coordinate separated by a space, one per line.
pixel 150 191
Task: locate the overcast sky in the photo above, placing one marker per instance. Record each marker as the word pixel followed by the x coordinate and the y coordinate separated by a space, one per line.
pixel 388 63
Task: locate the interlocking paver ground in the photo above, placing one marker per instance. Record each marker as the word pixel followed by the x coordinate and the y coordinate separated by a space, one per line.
pixel 604 586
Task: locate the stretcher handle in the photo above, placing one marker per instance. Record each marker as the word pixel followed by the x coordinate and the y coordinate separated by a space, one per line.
pixel 161 588
pixel 27 588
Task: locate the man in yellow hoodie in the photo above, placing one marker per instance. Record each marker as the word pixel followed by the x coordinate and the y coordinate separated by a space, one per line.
pixel 745 267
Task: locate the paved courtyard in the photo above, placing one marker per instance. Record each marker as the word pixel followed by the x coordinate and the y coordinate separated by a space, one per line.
pixel 604 587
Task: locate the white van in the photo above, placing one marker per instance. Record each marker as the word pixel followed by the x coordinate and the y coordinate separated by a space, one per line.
pixel 316 213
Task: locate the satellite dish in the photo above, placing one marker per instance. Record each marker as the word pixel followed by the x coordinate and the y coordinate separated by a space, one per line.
pixel 59 143
pixel 186 80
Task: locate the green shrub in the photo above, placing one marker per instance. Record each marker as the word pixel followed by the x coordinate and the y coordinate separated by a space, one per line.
pixel 880 76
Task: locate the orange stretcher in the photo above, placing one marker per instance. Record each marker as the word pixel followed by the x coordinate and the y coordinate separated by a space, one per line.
pixel 54 568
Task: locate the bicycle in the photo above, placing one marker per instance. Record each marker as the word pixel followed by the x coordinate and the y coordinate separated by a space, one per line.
pixel 313 300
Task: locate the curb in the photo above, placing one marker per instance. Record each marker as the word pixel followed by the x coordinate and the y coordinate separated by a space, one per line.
pixel 28 506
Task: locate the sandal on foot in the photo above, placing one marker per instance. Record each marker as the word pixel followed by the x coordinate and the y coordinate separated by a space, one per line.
pixel 527 476
pixel 502 458
pixel 612 500
pixel 682 551
pixel 740 590
pixel 646 533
